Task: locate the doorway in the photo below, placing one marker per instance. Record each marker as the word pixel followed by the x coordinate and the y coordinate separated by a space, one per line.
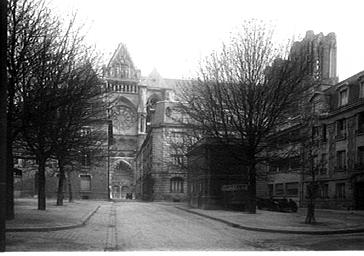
pixel 116 192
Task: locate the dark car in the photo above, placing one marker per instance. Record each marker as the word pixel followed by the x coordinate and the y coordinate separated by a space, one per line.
pixel 279 205
pixel 287 205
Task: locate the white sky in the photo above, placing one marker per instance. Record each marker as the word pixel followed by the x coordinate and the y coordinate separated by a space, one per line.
pixel 173 35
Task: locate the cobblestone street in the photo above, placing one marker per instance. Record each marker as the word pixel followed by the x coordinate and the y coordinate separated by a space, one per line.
pixel 130 226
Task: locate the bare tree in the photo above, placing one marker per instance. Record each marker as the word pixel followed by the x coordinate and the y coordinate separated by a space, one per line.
pixel 54 96
pixel 81 107
pixel 244 92
pixel 28 22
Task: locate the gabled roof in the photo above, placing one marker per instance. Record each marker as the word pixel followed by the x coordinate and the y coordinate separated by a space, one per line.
pixel 121 56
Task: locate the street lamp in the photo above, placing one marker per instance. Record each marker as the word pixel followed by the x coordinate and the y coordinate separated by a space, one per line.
pixel 109 138
pixel 3 134
pixel 108 169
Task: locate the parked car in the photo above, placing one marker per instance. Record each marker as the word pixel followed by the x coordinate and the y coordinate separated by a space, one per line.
pixel 279 205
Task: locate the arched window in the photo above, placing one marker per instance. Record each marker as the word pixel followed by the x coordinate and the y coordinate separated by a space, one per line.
pixel 151 104
pixel 176 185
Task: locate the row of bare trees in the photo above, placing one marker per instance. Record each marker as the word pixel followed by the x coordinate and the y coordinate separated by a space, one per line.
pixel 53 93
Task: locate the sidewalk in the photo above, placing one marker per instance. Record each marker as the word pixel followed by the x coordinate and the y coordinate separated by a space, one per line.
pixel 70 215
pixel 328 221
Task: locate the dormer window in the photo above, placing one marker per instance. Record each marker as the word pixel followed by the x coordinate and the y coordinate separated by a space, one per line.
pixel 361 89
pixel 341 129
pixel 343 97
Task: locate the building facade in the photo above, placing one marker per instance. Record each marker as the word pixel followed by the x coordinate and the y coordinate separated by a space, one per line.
pixel 337 138
pixel 340 130
pixel 161 172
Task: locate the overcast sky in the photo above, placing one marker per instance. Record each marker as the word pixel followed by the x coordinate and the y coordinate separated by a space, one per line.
pixel 173 35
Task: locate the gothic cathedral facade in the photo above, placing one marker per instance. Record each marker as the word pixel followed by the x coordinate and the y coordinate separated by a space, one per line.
pixel 132 104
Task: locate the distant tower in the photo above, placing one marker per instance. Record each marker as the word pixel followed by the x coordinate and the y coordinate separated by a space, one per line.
pixel 320 52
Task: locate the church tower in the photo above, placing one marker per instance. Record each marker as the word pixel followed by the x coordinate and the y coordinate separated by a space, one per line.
pixel 320 52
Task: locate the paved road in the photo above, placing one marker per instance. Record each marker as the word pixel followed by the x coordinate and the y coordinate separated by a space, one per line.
pixel 134 226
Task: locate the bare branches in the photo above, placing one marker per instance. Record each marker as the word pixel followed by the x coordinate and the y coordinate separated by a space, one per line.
pixel 54 85
pixel 245 91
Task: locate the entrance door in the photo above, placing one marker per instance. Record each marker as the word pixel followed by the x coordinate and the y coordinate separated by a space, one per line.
pixel 125 192
pixel 116 192
pixel 359 196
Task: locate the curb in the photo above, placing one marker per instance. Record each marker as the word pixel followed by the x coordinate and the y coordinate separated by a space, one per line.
pixel 46 229
pixel 283 231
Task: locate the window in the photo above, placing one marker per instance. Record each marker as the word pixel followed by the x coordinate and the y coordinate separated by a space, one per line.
pixel 315 162
pixel 361 122
pixel 274 167
pixel 176 185
pixel 292 189
pixel 324 132
pixel 178 160
pixel 270 190
pixel 315 131
pixel 323 167
pixel 193 187
pixel 168 111
pixel 295 162
pixel 341 159
pixel 324 190
pixel 284 165
pixel 340 190
pixel 279 189
pixel 85 131
pixel 341 129
pixel 361 156
pixel 361 89
pixel 85 184
pixel 343 97
pixel 18 162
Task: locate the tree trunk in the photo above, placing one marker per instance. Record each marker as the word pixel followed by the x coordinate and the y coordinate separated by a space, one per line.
pixel 61 179
pixel 41 185
pixel 10 162
pixel 310 217
pixel 70 196
pixel 252 202
pixel 9 182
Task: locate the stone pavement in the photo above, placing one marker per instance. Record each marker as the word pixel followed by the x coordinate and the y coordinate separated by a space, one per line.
pixel 328 221
pixel 76 214
pixel 70 215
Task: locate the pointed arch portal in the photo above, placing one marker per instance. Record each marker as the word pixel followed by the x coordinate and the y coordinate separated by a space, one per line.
pixel 122 180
